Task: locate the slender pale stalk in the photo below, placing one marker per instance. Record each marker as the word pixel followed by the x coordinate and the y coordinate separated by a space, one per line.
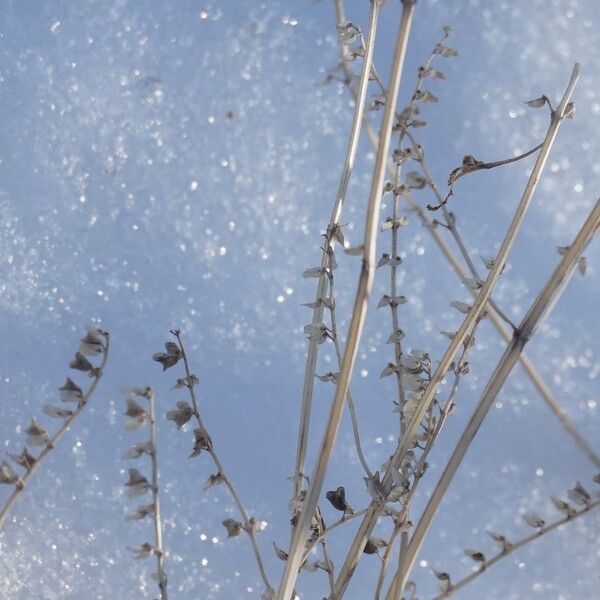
pixel 20 486
pixel 158 547
pixel 351 407
pixel 358 316
pixel 465 329
pixel 247 522
pixel 539 310
pixel 329 564
pixel 515 546
pixel 385 562
pixel 351 150
pixel 495 316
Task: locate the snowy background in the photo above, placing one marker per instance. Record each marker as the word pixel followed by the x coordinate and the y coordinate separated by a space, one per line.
pixel 173 164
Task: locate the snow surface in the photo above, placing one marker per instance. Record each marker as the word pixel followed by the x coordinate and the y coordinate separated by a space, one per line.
pixel 173 164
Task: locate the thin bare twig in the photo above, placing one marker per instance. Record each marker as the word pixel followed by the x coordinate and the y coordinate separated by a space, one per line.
pixel 470 164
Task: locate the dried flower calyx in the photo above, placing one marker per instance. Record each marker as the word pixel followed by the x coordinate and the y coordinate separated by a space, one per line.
pixel 337 498
pixel 169 358
pixel 140 512
pixel 91 344
pixel 70 391
pixel 7 475
pixel 213 480
pixel 138 449
pixel 144 550
pixel 81 363
pixel 181 415
pixel 136 413
pixel 25 459
pixel 201 441
pixel 36 434
pixel 138 485
pixel 233 527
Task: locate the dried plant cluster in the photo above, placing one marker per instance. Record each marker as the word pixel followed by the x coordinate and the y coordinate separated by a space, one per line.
pixel 401 170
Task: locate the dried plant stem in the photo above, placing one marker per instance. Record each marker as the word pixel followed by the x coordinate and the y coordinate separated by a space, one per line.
pixel 158 548
pixel 329 564
pixel 465 329
pixel 351 407
pixel 515 546
pixel 358 315
pixel 247 522
pixel 531 322
pixel 311 356
pixel 385 562
pixel 20 486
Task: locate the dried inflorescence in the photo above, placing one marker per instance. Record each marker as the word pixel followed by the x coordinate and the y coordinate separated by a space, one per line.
pixel 94 343
pixel 139 485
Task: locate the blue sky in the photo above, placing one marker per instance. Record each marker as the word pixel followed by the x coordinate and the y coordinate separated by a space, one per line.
pixel 173 164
